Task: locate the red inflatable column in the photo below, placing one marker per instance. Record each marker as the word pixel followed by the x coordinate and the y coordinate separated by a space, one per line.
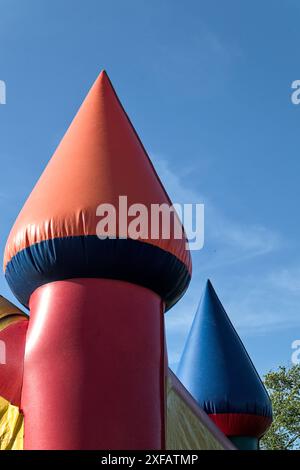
pixel 94 374
pixel 95 357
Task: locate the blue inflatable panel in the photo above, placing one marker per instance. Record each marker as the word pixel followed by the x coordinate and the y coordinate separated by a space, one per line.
pixel 215 366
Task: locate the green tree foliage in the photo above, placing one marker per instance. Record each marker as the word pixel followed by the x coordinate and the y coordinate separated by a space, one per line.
pixel 283 386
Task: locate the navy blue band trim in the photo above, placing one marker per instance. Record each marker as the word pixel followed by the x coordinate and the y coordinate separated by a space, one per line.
pixel 251 407
pixel 87 256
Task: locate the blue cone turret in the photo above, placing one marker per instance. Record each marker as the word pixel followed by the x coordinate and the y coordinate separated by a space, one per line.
pixel 218 372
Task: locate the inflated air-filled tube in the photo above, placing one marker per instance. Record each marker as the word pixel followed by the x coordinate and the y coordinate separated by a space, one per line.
pixel 218 372
pixel 95 360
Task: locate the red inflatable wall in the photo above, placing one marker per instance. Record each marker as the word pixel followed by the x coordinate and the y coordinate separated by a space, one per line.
pixel 94 367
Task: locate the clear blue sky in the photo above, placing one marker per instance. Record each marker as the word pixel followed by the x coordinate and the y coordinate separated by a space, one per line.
pixel 207 86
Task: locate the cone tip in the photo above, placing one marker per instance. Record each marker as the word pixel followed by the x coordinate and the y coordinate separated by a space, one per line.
pixel 103 74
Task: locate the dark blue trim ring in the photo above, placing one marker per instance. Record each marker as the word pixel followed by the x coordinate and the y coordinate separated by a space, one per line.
pixel 87 256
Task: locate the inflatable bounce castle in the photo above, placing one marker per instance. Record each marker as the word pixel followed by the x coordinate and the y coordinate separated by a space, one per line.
pixel 88 368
